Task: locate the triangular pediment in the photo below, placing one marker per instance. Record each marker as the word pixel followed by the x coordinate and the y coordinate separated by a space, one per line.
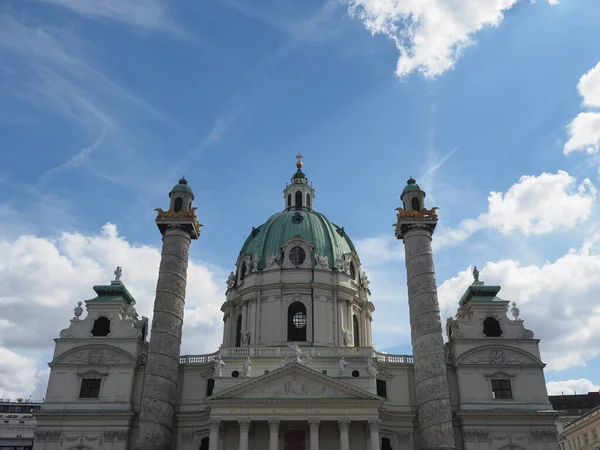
pixel 294 382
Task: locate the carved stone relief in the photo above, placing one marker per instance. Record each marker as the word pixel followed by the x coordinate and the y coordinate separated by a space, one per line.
pixel 96 355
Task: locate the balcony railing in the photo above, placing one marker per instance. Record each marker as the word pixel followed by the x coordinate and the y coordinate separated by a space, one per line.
pixel 313 352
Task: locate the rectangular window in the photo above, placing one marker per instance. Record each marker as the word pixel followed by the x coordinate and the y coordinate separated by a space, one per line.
pixel 90 388
pixel 382 388
pixel 210 386
pixel 586 439
pixel 595 435
pixel 501 390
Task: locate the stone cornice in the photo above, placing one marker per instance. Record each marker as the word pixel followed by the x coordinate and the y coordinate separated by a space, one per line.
pixel 505 413
pixel 83 414
pixel 320 402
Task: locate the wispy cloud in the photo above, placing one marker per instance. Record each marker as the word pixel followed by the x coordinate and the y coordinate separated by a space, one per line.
pixel 75 161
pixel 145 14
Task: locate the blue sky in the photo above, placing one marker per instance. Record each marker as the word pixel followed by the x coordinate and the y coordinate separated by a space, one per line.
pixel 104 105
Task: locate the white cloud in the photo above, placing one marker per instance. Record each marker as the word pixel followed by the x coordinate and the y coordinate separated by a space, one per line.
pixel 17 374
pixel 567 387
pixel 44 278
pixel 142 13
pixel 558 301
pixel 584 130
pixel 430 34
pixel 534 205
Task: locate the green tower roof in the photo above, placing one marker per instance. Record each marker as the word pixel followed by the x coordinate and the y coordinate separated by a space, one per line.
pixel 328 239
pixel 182 187
pixel 411 185
pixel 115 292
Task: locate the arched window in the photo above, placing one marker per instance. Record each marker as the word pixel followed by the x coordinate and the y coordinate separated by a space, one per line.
pixel 101 327
pixel 308 200
pixel 238 332
pixel 415 204
pixel 297 322
pixel 297 256
pixel 386 444
pixel 491 327
pixel 204 443
pixel 289 201
pixel 298 200
pixel 355 329
pixel 178 204
pixel 243 271
pixel 352 271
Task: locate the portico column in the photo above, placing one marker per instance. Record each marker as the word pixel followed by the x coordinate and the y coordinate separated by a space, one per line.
pixel 344 437
pixel 374 433
pixel 244 429
pixel 213 439
pixel 314 434
pixel 274 435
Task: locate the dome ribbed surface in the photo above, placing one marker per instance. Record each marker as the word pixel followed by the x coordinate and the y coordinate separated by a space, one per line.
pixel 328 239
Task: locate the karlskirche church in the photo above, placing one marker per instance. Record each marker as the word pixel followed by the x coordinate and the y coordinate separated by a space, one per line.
pixel 297 369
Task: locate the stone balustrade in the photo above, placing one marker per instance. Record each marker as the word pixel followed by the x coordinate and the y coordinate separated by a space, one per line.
pixel 282 352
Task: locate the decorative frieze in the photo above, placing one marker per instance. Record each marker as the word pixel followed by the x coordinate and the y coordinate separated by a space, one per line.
pixel 476 435
pixel 95 356
pixel 543 435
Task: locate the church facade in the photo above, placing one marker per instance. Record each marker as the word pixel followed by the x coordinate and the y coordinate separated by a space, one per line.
pixel 297 369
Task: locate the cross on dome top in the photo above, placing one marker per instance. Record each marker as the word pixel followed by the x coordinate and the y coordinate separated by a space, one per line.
pixel 299 162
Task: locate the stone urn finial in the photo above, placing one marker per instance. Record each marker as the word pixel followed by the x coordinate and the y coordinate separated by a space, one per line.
pixel 78 310
pixel 515 311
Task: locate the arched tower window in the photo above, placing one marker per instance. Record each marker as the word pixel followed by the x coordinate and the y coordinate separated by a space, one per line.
pixel 298 199
pixel 289 205
pixel 243 271
pixel 491 327
pixel 308 200
pixel 101 327
pixel 355 329
pixel 238 332
pixel 415 204
pixel 352 271
pixel 386 444
pixel 297 322
pixel 178 205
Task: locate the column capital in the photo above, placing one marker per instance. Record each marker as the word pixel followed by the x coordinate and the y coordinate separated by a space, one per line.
pixel 244 425
pixel 274 425
pixel 215 425
pixel 374 424
pixel 314 425
pixel 343 425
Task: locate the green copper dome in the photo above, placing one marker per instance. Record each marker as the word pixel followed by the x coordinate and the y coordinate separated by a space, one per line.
pixel 411 185
pixel 328 239
pixel 182 187
pixel 299 176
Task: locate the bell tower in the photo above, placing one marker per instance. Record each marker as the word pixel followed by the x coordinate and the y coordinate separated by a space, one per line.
pixel 178 227
pixel 415 227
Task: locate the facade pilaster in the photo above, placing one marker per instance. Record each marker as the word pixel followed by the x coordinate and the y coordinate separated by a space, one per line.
pixel 314 434
pixel 374 434
pixel 244 431
pixel 213 439
pixel 274 434
pixel 344 426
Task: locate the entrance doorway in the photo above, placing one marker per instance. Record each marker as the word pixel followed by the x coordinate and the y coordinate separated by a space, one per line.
pixel 295 440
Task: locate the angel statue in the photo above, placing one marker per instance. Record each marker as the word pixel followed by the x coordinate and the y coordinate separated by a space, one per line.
pixel 475 273
pixel 118 272
pixel 247 369
pixel 371 370
pixel 342 367
pixel 219 364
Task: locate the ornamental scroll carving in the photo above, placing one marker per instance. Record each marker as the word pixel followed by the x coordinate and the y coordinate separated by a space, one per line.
pixel 96 355
pixel 413 214
pixel 498 357
pixel 543 435
pixel 476 435
pixel 180 215
pixel 115 435
pixel 52 436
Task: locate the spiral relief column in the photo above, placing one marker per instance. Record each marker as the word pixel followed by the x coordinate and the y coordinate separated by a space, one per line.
pixel 415 226
pixel 178 226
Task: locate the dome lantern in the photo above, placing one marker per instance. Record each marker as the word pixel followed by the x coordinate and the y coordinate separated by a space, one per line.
pixel 298 195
